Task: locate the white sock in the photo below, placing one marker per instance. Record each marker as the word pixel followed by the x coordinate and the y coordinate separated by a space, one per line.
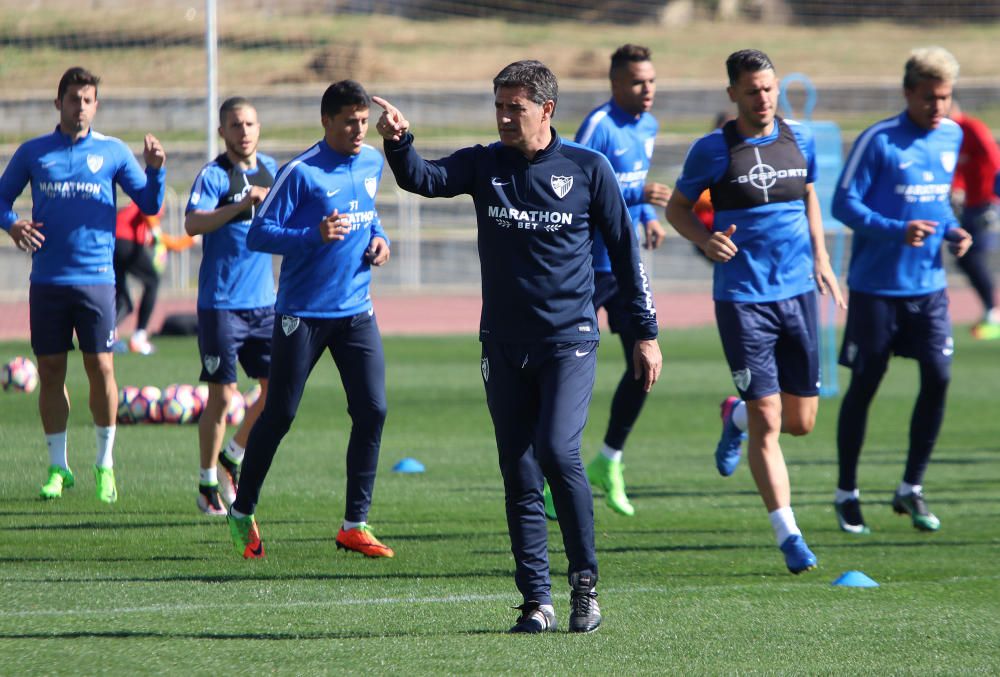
pixel 783 523
pixel 351 525
pixel 208 476
pixel 740 416
pixel 234 452
pixel 906 489
pixel 611 454
pixel 236 513
pixel 56 442
pixel 840 496
pixel 993 316
pixel 139 335
pixel 105 444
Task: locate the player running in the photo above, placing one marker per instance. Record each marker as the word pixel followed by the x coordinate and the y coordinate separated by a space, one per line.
pixel 624 131
pixel 320 216
pixel 894 194
pixel 770 257
pixel 235 295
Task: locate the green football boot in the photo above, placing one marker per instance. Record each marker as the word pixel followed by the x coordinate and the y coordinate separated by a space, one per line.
pixel 915 506
pixel 59 479
pixel 104 478
pixel 609 476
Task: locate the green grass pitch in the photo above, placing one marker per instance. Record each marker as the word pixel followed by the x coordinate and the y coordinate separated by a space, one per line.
pixel 693 584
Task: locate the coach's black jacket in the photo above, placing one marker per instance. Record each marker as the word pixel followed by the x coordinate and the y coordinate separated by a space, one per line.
pixel 536 225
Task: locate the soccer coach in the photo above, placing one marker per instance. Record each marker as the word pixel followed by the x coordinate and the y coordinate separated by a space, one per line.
pixel 539 202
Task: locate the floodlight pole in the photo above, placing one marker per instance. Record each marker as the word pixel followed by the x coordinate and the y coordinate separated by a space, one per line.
pixel 212 93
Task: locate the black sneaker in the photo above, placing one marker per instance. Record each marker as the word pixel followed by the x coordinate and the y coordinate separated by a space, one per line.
pixel 584 614
pixel 229 478
pixel 849 516
pixel 208 500
pixel 535 618
pixel 914 506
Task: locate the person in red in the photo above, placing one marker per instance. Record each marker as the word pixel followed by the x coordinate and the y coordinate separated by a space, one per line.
pixel 140 250
pixel 972 193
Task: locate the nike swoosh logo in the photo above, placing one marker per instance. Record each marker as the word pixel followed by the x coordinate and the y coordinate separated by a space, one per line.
pixel 579 354
pixel 258 551
pixel 497 182
pixel 620 151
pixel 904 165
pixel 331 193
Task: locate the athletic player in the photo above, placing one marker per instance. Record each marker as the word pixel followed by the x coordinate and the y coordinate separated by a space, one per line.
pixel 320 216
pixel 134 250
pixel 972 190
pixel 538 200
pixel 73 173
pixel 624 131
pixel 235 294
pixel 894 194
pixel 770 257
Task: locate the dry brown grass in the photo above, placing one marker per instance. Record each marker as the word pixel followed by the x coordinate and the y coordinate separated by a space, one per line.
pixel 390 50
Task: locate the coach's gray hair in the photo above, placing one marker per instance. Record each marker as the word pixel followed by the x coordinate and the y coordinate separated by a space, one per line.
pixel 929 63
pixel 534 76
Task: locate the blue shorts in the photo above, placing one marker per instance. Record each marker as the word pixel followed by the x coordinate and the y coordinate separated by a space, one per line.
pixel 57 310
pixel 771 347
pixel 607 295
pixel 225 336
pixel 878 327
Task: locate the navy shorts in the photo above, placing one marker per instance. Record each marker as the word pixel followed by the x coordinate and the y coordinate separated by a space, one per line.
pixel 56 311
pixel 878 327
pixel 225 336
pixel 608 296
pixel 771 347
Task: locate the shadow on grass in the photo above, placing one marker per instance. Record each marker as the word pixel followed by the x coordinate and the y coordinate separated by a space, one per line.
pixel 267 636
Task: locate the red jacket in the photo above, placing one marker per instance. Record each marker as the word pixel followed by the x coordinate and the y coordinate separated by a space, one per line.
pixel 978 162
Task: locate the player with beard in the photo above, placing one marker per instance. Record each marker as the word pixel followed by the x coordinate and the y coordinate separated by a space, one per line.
pixel 235 294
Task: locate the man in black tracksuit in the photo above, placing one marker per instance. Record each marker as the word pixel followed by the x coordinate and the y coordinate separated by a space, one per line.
pixel 539 201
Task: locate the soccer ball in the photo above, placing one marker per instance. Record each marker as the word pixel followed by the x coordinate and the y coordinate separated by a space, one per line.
pixel 237 409
pixel 179 406
pixel 251 396
pixel 20 374
pixel 145 407
pixel 200 399
pixel 125 398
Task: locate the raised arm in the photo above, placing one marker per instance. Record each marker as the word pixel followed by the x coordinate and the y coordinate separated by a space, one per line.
pixel 448 177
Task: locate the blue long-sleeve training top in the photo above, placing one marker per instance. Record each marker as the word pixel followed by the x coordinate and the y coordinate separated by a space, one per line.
pixel 898 172
pixel 536 223
pixel 320 279
pixel 627 141
pixel 73 197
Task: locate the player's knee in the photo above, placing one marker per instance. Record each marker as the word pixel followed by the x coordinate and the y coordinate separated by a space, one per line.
pixel 372 415
pixel 800 426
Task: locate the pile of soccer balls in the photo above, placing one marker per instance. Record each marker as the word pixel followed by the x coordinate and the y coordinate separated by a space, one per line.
pixel 19 375
pixel 177 403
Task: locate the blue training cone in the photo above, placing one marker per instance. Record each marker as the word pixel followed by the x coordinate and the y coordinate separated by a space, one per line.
pixel 855 579
pixel 409 465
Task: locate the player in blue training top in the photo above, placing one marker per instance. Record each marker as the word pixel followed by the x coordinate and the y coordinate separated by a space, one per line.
pixel 73 173
pixel 320 216
pixel 235 294
pixel 624 131
pixel 539 200
pixel 894 193
pixel 770 257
